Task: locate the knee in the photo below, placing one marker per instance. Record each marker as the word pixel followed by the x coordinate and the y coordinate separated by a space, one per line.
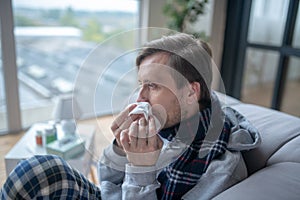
pixel 38 163
pixel 45 166
pixel 33 174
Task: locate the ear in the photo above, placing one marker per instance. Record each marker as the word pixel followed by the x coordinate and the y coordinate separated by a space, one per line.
pixel 194 92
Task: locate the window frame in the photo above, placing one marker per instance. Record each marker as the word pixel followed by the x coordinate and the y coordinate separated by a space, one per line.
pixel 236 44
pixel 9 67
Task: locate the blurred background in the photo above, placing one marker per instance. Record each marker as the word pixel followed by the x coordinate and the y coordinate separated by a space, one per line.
pixel 44 44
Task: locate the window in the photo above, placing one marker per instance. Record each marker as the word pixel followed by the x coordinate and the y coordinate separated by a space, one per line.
pixel 291 95
pixel 261 53
pixel 267 21
pixel 259 76
pixel 52 40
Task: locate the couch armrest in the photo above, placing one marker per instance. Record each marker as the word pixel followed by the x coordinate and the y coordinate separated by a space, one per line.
pixel 277 129
pixel 273 182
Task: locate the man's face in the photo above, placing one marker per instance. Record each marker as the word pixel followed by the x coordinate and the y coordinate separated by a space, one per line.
pixel 159 88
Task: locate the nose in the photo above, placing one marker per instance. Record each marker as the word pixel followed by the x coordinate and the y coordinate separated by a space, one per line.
pixel 143 95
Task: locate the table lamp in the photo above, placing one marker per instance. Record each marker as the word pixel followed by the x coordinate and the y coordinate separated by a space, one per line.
pixel 65 112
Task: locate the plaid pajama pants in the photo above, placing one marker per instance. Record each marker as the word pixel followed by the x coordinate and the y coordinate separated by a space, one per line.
pixel 47 177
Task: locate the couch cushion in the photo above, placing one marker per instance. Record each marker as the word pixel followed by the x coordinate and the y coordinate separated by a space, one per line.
pixel 277 181
pixel 276 130
pixel 289 152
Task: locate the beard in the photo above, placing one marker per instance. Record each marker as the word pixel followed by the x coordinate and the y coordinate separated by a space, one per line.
pixel 167 117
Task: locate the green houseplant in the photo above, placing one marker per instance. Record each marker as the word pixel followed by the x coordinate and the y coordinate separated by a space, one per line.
pixel 183 12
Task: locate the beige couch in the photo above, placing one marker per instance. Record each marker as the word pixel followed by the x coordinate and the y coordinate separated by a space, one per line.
pixel 274 167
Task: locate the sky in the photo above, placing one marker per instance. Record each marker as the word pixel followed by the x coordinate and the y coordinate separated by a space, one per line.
pixel 92 5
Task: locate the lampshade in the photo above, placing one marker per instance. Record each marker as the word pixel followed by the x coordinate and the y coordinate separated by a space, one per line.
pixel 66 108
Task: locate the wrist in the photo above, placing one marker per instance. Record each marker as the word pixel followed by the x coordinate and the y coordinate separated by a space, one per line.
pixel 145 159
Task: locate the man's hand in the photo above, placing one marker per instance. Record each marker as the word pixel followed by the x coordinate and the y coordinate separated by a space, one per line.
pixel 122 122
pixel 141 142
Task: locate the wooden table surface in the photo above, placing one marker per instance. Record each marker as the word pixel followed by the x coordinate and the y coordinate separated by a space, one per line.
pixel 103 138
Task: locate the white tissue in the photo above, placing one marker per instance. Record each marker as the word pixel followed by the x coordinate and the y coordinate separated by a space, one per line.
pixel 142 108
pixel 145 109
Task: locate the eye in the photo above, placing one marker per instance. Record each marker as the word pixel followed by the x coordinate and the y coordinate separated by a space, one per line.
pixel 152 85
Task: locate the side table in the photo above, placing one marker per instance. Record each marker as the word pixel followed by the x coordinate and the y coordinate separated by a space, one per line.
pixel 26 147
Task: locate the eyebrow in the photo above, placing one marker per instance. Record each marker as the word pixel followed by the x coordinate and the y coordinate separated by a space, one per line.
pixel 145 81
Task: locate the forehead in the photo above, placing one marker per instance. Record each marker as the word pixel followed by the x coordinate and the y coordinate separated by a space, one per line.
pixel 155 68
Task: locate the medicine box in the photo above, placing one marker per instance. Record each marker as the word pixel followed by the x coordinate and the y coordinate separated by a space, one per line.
pixel 67 148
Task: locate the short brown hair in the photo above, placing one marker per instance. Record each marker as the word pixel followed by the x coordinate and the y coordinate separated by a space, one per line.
pixel 187 55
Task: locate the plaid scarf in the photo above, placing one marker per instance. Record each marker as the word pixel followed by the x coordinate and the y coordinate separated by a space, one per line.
pixel 183 174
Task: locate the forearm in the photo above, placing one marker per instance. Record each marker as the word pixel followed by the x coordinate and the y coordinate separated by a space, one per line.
pixel 111 166
pixel 140 183
pixel 111 172
pixel 120 180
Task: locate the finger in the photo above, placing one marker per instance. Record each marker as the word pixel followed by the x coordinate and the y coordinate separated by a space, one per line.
pixel 117 134
pixel 125 125
pixel 121 117
pixel 159 142
pixel 142 128
pixel 142 134
pixel 124 139
pixel 127 122
pixel 152 135
pixel 133 134
pixel 152 127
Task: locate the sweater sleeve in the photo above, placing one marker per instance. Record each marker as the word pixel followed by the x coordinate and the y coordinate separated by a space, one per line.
pixel 121 180
pixel 111 168
pixel 140 183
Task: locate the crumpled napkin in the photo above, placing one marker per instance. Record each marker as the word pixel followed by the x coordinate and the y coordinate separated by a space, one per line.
pixel 145 109
pixel 142 108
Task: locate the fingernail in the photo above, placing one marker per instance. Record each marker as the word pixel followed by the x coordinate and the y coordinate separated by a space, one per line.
pixel 143 122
